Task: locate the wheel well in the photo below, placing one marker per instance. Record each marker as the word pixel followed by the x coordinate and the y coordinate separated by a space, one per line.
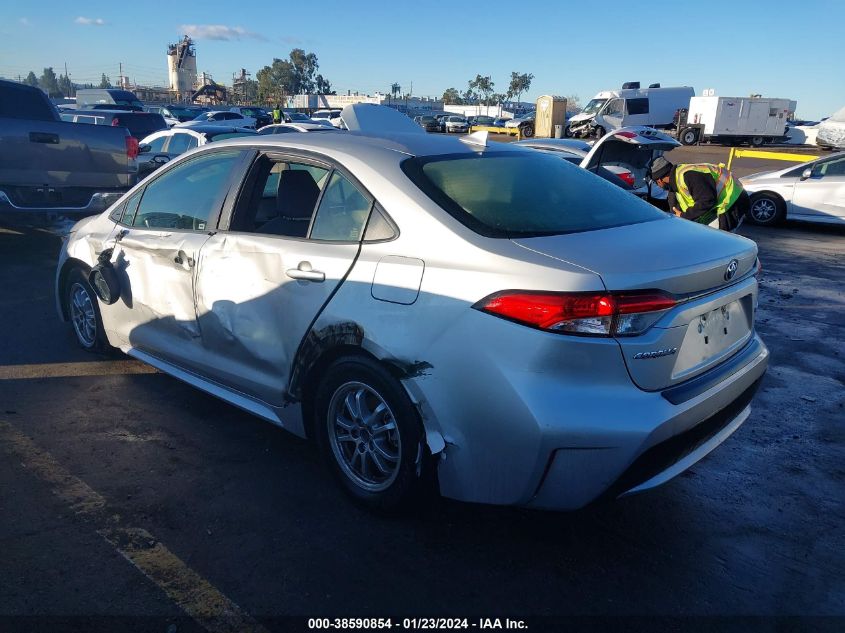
pixel 68 266
pixel 773 194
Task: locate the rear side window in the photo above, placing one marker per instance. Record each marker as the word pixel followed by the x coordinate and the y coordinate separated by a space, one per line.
pixel 25 103
pixel 504 194
pixel 637 106
pixel 189 196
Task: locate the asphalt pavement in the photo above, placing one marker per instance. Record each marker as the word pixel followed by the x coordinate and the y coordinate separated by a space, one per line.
pixel 131 501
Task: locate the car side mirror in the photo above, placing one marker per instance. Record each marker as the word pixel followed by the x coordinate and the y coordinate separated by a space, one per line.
pixel 807 173
pixel 143 148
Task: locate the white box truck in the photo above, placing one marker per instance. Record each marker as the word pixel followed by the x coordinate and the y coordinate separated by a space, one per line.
pixel 735 120
pixel 612 109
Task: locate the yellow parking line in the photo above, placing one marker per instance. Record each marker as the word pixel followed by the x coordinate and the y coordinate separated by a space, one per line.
pixel 67 370
pixel 190 591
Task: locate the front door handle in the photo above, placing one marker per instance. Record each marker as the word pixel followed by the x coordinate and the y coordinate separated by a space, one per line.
pixel 305 272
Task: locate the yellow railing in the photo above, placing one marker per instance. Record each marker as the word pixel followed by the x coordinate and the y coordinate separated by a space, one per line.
pixel 494 129
pixel 756 153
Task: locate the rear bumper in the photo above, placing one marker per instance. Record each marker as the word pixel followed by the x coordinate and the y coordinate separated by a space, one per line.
pixel 703 413
pixel 98 202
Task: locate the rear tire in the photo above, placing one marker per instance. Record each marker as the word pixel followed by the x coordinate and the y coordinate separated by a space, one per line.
pixel 83 309
pixel 767 209
pixel 528 131
pixel 757 141
pixel 369 434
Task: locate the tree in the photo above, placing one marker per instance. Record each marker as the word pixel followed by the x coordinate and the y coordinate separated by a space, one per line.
pixel 324 86
pixel 482 86
pixel 31 80
pixel 452 97
pixel 519 83
pixel 304 66
pixel 105 82
pixel 49 83
pixel 573 103
pixel 66 86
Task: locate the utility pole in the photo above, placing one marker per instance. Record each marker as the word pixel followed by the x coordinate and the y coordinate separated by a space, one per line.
pixel 120 77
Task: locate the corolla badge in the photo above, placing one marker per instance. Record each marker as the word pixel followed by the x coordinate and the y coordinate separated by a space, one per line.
pixel 730 271
pixel 659 353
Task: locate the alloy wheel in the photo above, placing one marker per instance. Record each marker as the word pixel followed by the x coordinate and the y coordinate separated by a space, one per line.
pixel 364 436
pixel 82 315
pixel 763 210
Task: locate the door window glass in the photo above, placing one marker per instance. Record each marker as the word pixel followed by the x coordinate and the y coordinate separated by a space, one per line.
pixel 833 167
pixel 282 198
pixel 613 108
pixel 343 212
pixel 181 143
pixel 638 106
pixel 157 144
pixel 188 196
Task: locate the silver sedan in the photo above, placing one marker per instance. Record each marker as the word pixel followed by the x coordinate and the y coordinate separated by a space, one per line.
pixel 431 310
pixel 813 192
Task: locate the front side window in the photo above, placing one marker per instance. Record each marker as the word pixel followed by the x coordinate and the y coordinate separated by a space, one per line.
pixel 613 108
pixel 157 144
pixel 510 194
pixel 189 196
pixel 835 167
pixel 343 212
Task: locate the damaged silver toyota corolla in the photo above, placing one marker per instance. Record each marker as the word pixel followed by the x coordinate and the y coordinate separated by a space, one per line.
pixel 488 314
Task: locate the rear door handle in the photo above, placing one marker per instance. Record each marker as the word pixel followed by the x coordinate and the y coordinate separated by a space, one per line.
pixel 44 137
pixel 304 272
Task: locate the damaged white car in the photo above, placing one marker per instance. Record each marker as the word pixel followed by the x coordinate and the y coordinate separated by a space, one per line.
pixel 491 315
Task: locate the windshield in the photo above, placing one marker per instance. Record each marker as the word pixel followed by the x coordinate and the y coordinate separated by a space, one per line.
pixel 504 194
pixel 202 116
pixel 297 116
pixel 594 106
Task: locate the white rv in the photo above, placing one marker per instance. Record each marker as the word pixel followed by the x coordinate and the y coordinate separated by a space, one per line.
pixel 735 120
pixel 611 109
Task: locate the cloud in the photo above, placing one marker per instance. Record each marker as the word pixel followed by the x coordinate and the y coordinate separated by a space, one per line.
pixel 90 21
pixel 25 22
pixel 219 32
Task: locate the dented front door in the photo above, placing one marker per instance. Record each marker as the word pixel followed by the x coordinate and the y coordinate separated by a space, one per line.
pixel 156 312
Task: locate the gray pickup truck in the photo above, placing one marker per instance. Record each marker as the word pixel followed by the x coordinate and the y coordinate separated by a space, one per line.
pixel 49 165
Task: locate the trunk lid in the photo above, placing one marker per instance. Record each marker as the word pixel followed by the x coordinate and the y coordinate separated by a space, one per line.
pixel 714 316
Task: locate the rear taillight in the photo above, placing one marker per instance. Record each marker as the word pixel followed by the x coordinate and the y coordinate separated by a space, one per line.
pixel 131 147
pixel 627 177
pixel 581 313
pixel 626 134
pixel 115 122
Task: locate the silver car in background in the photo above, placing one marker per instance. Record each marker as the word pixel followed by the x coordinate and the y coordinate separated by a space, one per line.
pixel 487 314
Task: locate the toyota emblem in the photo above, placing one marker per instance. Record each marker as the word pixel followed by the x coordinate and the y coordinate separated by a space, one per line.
pixel 730 271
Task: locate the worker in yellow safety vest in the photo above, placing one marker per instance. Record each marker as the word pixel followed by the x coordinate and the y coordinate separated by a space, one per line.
pixel 702 192
pixel 277 114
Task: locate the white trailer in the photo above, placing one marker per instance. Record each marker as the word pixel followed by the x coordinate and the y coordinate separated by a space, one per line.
pixel 735 120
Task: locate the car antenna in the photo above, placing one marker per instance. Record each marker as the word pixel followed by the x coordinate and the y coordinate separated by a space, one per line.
pixel 476 138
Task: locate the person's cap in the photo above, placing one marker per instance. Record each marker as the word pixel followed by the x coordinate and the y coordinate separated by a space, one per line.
pixel 659 168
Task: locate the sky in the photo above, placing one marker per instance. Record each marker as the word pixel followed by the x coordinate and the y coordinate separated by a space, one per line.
pixel 738 48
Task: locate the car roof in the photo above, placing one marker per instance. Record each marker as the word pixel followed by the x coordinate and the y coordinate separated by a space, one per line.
pixel 357 143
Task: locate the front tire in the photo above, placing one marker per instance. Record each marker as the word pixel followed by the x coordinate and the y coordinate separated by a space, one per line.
pixel 83 309
pixel 369 433
pixel 599 131
pixel 766 209
pixel 528 131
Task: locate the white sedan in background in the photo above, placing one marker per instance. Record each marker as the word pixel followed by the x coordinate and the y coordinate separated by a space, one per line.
pixel 219 117
pixel 813 192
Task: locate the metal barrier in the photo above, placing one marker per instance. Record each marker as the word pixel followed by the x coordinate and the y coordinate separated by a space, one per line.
pixel 756 153
pixel 510 131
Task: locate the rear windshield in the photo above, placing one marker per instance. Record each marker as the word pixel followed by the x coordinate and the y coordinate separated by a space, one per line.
pixel 141 124
pixel 520 194
pixel 225 135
